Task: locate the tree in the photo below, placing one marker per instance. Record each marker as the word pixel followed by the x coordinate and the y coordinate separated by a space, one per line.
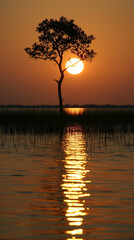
pixel 55 38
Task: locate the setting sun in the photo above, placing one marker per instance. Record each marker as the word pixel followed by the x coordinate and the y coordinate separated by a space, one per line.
pixel 74 66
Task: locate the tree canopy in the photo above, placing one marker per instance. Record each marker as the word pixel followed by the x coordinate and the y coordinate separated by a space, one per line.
pixel 56 37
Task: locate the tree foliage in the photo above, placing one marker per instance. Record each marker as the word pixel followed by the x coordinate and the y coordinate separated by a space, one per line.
pixel 56 37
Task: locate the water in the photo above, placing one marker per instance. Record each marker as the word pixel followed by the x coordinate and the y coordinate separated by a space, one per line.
pixel 68 185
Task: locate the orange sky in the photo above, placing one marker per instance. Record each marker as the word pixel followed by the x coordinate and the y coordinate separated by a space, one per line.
pixel 109 79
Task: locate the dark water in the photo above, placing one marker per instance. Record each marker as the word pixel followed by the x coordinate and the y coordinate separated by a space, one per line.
pixel 69 185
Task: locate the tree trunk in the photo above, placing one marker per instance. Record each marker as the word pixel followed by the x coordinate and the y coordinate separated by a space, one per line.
pixel 59 85
pixel 60 95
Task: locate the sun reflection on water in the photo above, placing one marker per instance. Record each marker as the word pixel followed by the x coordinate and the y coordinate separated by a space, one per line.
pixel 74 183
pixel 74 111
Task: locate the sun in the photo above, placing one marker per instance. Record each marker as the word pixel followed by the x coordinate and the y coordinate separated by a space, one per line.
pixel 74 66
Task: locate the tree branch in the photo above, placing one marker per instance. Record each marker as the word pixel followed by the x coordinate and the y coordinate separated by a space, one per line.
pixel 56 80
pixel 71 65
pixel 47 59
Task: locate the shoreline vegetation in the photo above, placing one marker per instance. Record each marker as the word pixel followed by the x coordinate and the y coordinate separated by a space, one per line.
pixel 67 106
pixel 104 120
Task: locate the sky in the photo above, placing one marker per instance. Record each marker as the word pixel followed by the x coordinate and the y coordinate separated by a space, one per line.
pixel 108 79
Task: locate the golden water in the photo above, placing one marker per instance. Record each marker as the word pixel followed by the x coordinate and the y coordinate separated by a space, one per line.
pixel 66 186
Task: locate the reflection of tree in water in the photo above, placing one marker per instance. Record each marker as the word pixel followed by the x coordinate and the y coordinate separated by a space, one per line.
pixel 73 180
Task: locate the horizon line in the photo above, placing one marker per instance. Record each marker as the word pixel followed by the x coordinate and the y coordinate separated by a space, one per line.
pixel 66 105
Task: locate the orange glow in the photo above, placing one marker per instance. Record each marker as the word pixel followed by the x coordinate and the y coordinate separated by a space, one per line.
pixel 108 79
pixel 74 111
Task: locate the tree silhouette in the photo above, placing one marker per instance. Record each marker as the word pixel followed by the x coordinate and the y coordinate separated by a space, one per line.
pixel 55 38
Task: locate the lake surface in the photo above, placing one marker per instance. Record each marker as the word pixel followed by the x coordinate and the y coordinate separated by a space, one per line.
pixel 67 185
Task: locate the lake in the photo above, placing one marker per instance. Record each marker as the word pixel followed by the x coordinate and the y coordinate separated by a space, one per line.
pixel 70 185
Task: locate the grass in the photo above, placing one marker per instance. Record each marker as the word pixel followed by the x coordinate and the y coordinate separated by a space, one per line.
pixel 102 120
